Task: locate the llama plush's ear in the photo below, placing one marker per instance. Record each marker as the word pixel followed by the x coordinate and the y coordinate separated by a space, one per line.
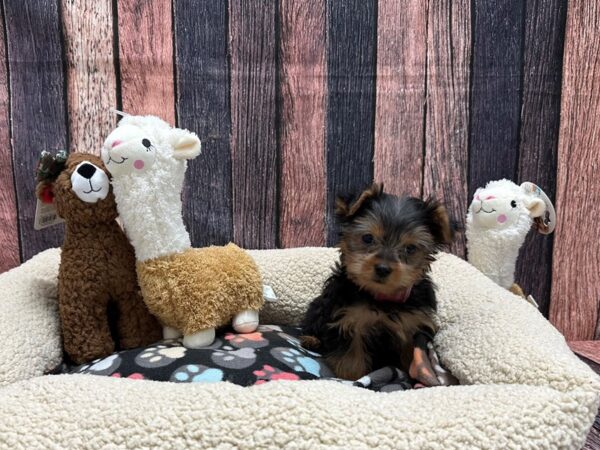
pixel 536 206
pixel 186 145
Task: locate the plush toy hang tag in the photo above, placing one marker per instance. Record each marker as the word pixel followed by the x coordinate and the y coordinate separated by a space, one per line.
pixel 269 294
pixel 45 216
pixel 547 222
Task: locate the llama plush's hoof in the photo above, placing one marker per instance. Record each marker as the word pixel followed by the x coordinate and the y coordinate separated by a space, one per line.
pixel 171 333
pixel 246 321
pixel 200 339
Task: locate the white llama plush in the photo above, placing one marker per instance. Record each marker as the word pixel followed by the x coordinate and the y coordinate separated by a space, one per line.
pixel 499 218
pixel 191 291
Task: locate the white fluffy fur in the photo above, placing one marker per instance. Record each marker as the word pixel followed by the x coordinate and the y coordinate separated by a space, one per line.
pixel 149 200
pixel 496 229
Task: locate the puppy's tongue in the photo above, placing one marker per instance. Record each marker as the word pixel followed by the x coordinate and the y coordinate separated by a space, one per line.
pixel 400 297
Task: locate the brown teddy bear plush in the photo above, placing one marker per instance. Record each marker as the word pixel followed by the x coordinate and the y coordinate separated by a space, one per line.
pixel 97 264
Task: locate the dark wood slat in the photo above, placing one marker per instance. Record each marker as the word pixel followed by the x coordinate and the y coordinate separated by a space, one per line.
pixel 302 75
pixel 37 91
pixel 9 233
pixel 203 107
pixel 91 79
pixel 447 121
pixel 146 57
pixel 496 91
pixel 576 254
pixel 351 47
pixel 540 121
pixel 400 107
pixel 253 122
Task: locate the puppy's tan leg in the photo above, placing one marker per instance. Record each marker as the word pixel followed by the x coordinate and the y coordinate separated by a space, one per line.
pixel 354 363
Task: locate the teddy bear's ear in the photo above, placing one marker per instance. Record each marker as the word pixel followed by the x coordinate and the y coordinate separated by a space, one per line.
pixel 186 145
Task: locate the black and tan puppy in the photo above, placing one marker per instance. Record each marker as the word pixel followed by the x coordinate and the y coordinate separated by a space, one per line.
pixel 378 304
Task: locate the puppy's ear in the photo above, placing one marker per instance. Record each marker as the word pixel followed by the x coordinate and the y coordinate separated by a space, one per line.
pixel 347 207
pixel 441 228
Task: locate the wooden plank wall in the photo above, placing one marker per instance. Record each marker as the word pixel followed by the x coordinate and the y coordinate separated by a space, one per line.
pixel 9 231
pixel 576 274
pixel 296 101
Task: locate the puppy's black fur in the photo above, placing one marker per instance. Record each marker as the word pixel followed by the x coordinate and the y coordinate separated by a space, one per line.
pixel 379 298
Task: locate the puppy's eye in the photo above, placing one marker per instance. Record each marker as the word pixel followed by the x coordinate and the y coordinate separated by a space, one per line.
pixel 410 249
pixel 367 238
pixel 513 204
pixel 146 143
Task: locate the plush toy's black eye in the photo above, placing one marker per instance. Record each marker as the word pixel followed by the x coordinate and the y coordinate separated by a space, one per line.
pixel 410 249
pixel 367 238
pixel 146 143
pixel 513 204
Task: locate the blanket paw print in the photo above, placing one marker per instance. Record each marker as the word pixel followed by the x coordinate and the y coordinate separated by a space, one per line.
pixel 269 373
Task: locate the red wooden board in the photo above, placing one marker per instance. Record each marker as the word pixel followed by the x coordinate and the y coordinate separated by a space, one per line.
pixel 9 237
pixel 302 79
pixel 146 58
pixel 576 257
pixel 447 119
pixel 400 107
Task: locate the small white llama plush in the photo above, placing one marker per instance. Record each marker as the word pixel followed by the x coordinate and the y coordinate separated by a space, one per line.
pixel 499 218
pixel 191 291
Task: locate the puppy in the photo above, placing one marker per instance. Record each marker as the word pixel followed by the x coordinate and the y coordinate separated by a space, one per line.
pixel 376 309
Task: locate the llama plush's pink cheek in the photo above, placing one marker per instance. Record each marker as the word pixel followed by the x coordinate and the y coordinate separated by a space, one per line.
pixel 138 164
pixel 501 218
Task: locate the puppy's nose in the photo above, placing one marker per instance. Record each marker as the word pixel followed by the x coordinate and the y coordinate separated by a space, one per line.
pixel 86 170
pixel 382 270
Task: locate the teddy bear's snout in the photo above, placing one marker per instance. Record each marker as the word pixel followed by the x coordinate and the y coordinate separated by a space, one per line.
pixel 86 170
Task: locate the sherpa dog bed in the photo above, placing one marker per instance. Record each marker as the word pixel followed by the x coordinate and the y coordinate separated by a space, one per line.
pixel 521 385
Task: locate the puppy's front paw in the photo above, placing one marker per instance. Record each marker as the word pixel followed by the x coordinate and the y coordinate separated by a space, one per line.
pixel 310 342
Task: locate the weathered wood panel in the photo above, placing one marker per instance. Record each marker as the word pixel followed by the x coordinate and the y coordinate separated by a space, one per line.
pixel 540 119
pixel 146 57
pixel 302 75
pixel 203 107
pixel 37 106
pixel 400 107
pixel 253 122
pixel 588 349
pixel 351 47
pixel 496 91
pixel 447 120
pixel 91 79
pixel 576 255
pixel 9 233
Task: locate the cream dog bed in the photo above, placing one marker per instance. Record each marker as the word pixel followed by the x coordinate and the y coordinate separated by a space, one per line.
pixel 521 385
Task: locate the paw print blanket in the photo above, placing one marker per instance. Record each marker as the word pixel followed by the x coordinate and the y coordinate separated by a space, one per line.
pixel 271 353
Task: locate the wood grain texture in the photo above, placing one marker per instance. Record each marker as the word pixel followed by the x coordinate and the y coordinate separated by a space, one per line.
pixel 540 120
pixel 146 57
pixel 91 79
pixel 351 47
pixel 302 75
pixel 576 254
pixel 37 106
pixel 588 349
pixel 400 107
pixel 495 91
pixel 9 233
pixel 203 107
pixel 253 122
pixel 447 120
